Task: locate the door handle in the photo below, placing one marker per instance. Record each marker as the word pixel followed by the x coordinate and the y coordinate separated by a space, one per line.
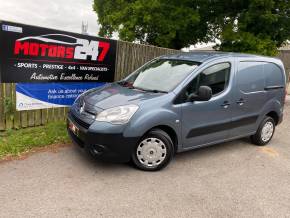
pixel 226 104
pixel 240 101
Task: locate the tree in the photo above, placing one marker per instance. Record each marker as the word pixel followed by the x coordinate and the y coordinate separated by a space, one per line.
pixel 166 23
pixel 254 26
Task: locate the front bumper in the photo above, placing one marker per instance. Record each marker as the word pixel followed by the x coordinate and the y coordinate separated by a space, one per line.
pixel 112 147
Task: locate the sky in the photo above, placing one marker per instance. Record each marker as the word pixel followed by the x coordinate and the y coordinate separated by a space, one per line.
pixel 57 14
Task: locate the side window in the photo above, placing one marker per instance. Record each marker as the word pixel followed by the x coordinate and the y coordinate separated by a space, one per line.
pixel 216 77
pixel 250 77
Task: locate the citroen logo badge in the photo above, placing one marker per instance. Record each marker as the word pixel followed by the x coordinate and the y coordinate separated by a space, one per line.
pixel 82 108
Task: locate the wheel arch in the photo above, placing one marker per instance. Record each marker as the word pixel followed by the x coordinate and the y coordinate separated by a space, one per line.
pixel 170 131
pixel 274 115
pixel 272 109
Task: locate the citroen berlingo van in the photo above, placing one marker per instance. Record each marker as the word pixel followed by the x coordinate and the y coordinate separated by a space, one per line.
pixel 180 102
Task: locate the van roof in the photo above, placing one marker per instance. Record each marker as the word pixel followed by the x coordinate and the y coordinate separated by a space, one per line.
pixel 205 56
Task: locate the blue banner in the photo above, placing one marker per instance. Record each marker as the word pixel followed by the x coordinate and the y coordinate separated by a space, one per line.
pixel 30 96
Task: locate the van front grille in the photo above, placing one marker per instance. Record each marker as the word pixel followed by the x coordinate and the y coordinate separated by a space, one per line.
pixel 80 122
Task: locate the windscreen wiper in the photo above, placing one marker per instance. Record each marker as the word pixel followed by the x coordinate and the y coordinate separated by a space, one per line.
pixel 149 90
pixel 157 91
pixel 125 84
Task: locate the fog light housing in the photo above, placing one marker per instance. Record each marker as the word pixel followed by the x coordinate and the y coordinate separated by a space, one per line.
pixel 97 149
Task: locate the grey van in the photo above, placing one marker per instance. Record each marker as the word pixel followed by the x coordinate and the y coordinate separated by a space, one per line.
pixel 180 102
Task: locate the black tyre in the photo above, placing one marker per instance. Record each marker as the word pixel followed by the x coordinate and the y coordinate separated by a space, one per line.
pixel 265 132
pixel 154 151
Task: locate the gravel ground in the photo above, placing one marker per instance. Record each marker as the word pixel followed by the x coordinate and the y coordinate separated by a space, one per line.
pixel 235 179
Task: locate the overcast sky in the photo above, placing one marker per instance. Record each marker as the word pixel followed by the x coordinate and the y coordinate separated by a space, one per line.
pixel 59 14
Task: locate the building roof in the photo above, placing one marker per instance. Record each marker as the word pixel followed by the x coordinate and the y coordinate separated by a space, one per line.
pixel 285 47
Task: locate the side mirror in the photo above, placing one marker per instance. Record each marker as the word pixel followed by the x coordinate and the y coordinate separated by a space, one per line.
pixel 204 93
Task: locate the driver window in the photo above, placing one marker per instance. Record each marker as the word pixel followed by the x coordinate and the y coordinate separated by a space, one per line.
pixel 216 77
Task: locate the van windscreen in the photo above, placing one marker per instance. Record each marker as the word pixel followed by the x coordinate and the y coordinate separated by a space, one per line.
pixel 161 74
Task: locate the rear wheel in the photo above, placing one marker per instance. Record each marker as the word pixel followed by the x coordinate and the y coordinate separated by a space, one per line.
pixel 265 132
pixel 154 151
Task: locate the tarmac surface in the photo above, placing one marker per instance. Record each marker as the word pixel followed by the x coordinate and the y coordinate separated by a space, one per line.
pixel 235 179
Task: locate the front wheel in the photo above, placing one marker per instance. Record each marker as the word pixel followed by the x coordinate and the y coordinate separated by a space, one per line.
pixel 154 151
pixel 265 132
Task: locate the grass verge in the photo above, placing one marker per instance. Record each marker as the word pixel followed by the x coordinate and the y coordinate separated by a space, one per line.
pixel 15 142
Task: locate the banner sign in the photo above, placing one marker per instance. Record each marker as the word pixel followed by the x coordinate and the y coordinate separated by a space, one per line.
pixel 31 96
pixel 35 54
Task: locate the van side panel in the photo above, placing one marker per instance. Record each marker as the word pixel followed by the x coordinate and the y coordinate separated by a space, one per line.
pixel 274 75
pixel 249 97
pixel 260 85
pixel 275 82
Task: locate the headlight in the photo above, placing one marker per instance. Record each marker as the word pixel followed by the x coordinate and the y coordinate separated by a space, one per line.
pixel 117 115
